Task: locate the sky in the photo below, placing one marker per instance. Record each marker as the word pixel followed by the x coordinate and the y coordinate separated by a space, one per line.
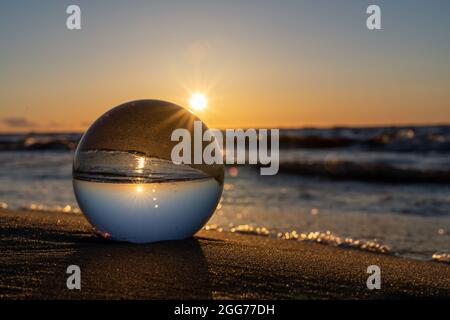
pixel 259 63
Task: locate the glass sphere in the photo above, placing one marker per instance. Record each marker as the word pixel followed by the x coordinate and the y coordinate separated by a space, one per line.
pixel 128 187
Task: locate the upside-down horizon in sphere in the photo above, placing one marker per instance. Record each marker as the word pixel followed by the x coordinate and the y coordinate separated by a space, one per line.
pixel 126 184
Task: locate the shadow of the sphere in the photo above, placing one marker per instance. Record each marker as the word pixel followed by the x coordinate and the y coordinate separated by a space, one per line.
pixel 163 270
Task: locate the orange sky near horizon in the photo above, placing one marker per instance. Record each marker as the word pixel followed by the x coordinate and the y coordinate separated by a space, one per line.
pixel 300 64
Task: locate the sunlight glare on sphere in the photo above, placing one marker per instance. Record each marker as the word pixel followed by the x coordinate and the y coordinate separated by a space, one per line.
pixel 198 102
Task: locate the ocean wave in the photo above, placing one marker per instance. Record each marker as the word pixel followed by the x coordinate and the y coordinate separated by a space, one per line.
pixel 39 142
pixel 365 171
pixel 326 238
pixel 441 257
pixel 389 139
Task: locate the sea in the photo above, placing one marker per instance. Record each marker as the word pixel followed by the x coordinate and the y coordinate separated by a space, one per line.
pixel 382 189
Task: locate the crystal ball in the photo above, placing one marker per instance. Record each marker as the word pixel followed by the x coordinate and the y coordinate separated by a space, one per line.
pixel 126 183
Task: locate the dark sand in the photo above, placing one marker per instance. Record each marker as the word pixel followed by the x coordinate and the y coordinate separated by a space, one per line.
pixel 37 247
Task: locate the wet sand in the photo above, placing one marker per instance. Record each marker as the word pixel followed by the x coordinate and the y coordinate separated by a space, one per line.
pixel 37 247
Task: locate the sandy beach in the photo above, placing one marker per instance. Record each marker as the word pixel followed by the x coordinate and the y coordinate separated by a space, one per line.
pixel 37 247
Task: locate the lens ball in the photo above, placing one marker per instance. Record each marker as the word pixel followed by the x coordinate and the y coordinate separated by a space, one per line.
pixel 128 187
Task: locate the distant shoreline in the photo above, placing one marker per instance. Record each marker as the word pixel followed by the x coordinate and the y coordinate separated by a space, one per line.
pixel 214 265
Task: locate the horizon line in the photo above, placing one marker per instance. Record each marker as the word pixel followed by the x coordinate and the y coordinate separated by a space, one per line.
pixel 323 127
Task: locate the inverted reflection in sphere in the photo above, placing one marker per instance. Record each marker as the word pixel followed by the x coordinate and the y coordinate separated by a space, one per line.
pixel 128 187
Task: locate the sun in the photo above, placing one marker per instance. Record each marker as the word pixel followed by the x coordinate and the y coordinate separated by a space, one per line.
pixel 198 102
